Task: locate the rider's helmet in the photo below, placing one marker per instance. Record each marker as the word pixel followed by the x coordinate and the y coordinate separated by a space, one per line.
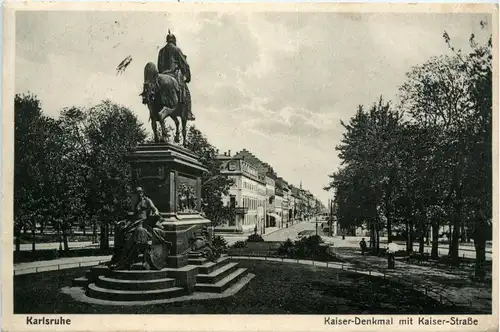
pixel 171 38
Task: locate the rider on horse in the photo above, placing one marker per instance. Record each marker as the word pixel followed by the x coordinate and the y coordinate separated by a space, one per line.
pixel 172 61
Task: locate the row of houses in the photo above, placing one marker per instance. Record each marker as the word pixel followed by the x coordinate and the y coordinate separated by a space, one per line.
pixel 260 198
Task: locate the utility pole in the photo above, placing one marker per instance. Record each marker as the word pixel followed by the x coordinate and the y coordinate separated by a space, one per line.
pixel 330 219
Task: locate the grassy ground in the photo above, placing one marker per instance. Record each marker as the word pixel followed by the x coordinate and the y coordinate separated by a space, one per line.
pixel 282 288
pixel 456 284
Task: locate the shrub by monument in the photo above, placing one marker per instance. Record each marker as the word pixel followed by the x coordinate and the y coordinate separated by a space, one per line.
pixel 219 242
pixel 286 248
pixel 310 247
pixel 255 238
pixel 239 244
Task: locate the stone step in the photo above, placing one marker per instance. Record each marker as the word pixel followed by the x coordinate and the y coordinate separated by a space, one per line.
pixel 123 284
pixel 138 274
pixel 80 282
pixel 209 267
pixel 202 260
pixel 223 284
pixel 137 266
pixel 96 271
pixel 133 295
pixel 215 276
pixel 197 261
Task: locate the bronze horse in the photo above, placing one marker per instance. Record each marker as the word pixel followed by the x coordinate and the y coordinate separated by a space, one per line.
pixel 162 95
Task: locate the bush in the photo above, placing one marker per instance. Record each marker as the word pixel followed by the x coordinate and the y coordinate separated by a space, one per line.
pixel 286 248
pixel 309 247
pixel 219 242
pixel 240 244
pixel 255 238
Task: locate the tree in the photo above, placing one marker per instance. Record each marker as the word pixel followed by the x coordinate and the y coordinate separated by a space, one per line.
pixel 436 97
pixel 369 158
pixel 37 152
pixel 441 170
pixel 214 185
pixel 111 131
pixel 27 112
pixel 451 97
pixel 349 212
pixel 72 169
pixel 74 172
pixel 478 184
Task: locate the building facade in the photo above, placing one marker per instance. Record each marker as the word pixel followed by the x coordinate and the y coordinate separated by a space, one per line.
pixel 283 204
pixel 247 196
pixel 291 207
pixel 278 203
pixel 271 216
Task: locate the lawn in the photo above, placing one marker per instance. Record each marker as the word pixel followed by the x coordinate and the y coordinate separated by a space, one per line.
pixel 278 288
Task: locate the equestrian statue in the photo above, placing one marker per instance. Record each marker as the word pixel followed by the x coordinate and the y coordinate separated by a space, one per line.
pixel 165 90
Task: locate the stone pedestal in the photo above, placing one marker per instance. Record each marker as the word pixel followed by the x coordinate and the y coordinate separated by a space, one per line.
pixel 171 176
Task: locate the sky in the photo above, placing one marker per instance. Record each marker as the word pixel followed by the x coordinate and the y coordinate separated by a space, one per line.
pixel 277 84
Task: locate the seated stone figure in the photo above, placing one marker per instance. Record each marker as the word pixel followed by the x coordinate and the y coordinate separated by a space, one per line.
pixel 137 234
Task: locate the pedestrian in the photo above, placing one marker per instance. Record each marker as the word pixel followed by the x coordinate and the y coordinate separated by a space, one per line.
pixel 392 248
pixel 362 245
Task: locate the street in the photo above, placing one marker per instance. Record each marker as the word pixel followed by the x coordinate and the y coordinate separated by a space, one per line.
pixel 291 232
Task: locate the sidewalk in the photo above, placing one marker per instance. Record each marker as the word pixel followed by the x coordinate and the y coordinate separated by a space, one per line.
pixel 290 232
pixel 465 250
pixel 456 285
pixel 270 230
pixel 58 264
pixel 233 238
pixel 55 245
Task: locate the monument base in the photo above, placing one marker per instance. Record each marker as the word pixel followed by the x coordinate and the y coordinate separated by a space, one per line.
pixel 177 261
pixel 171 176
pixel 134 285
pixel 187 271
